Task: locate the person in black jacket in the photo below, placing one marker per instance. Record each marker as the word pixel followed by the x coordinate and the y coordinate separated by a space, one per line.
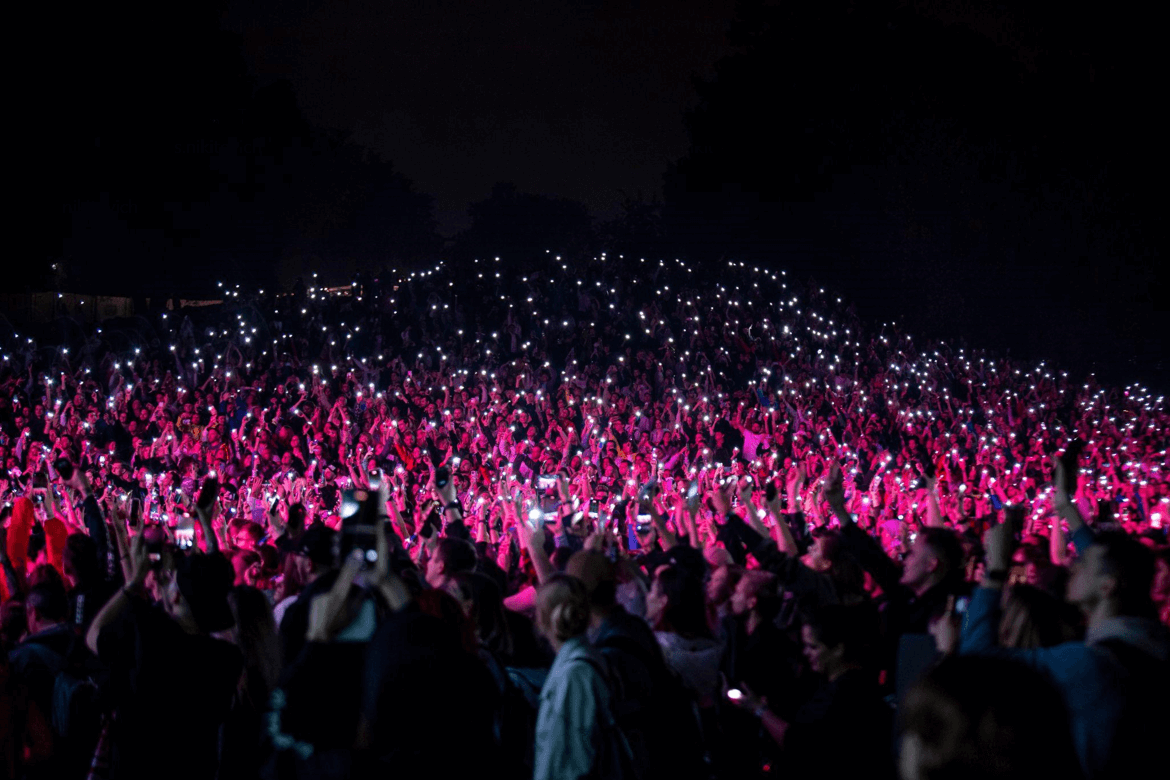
pixel 845 728
pixel 761 657
pixel 49 650
pixel 150 649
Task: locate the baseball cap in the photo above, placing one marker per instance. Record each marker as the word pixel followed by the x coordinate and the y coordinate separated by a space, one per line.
pixel 316 544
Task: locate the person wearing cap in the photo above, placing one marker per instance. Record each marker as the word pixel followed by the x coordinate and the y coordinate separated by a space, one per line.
pixel 171 681
pixel 314 560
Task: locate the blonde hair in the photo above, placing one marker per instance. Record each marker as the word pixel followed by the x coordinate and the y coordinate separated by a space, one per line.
pixel 562 606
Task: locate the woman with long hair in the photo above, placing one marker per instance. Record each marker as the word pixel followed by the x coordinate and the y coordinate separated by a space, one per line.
pixel 676 610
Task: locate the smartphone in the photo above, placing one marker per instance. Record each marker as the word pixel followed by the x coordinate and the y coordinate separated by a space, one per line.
pixel 632 539
pixel 735 694
pixel 359 515
pixel 693 495
pixel 154 536
pixel 442 477
pixel 770 492
pixel 594 506
pixel 185 532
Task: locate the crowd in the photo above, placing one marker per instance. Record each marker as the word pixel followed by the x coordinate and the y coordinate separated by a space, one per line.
pixel 611 518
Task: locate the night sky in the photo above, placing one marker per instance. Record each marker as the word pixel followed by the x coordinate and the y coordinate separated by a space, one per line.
pixel 985 173
pixel 583 100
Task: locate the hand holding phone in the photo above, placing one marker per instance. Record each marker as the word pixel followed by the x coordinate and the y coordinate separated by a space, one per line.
pixel 207 494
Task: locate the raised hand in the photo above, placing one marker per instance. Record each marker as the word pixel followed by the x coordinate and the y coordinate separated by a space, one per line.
pixel 833 488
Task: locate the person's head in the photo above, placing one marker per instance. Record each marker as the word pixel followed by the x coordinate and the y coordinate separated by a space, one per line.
pixel 46 605
pixel 1113 577
pixel 562 609
pixel 756 593
pixel 247 535
pixel 935 555
pixel 974 717
pixel 314 553
pixel 722 583
pixel 195 592
pixel 438 603
pixel 296 519
pixel 675 603
pixel 80 560
pixel 483 604
pixel 825 547
pixel 597 573
pixel 451 557
pixel 242 562
pixel 835 638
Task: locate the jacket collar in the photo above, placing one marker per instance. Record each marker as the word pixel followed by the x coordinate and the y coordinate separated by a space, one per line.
pixel 1145 634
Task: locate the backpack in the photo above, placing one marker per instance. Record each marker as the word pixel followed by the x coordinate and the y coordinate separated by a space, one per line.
pixel 615 759
pixel 74 711
pixel 516 721
pixel 672 726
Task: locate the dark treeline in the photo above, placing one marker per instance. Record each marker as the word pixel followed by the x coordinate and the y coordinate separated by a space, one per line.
pixel 978 179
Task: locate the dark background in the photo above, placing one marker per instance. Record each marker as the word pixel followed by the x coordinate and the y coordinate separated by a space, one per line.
pixel 989 174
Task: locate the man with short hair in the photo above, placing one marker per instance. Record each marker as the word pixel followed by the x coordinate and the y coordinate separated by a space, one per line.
pixel 50 649
pixel 450 557
pixel 1117 681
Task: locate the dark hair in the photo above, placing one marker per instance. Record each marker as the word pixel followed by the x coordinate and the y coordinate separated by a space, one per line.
pixel 440 604
pixel 767 593
pixel 944 544
pixel 456 554
pixel 49 599
pixel 1035 619
pixel 46 573
pixel 1132 563
pixel 596 571
pixel 80 558
pixel 487 611
pixel 685 613
pixel 296 516
pixel 830 542
pixel 853 626
pixel 977 717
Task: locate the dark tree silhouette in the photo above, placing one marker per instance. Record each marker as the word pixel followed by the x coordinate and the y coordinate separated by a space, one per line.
pixel 970 176
pixel 521 226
